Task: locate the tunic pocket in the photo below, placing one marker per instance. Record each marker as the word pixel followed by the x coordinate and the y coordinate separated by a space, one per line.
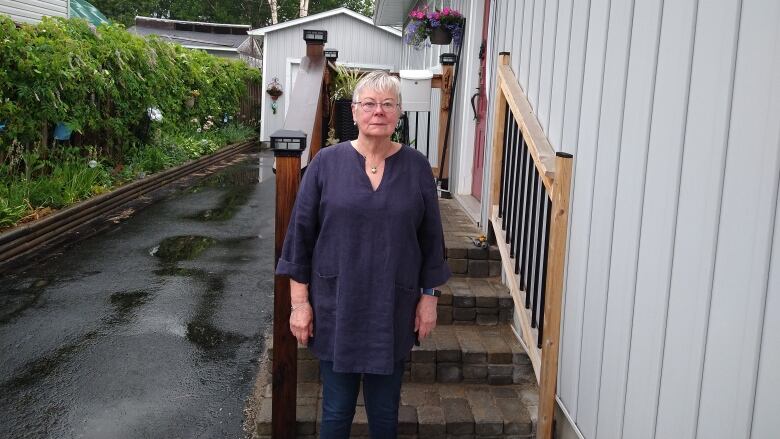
pixel 406 299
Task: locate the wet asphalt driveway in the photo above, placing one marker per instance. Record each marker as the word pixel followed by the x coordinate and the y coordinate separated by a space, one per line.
pixel 150 329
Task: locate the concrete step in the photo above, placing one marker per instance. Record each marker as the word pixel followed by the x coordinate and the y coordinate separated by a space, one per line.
pixel 427 411
pixel 463 257
pixel 453 354
pixel 469 301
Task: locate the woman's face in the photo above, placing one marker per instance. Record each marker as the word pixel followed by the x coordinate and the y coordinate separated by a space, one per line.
pixel 380 121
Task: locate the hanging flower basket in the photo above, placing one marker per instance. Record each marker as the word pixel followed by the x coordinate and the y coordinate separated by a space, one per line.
pixel 274 89
pixel 440 35
pixel 437 27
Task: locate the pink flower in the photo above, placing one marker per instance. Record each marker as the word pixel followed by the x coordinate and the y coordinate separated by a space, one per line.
pixel 436 16
pixel 445 11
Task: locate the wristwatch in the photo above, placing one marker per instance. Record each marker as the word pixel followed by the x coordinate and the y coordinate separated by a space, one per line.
pixel 431 292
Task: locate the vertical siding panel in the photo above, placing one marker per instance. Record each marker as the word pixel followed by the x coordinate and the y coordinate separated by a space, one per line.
pixel 517 36
pixel 548 61
pixel 608 125
pixel 524 69
pixel 572 313
pixel 745 230
pixel 537 33
pixel 582 212
pixel 659 217
pixel 634 139
pixel 560 72
pixel 766 423
pixel 697 219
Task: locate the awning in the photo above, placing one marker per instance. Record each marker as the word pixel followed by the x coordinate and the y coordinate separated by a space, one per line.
pixel 82 9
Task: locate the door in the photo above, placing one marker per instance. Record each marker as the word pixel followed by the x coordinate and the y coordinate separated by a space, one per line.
pixel 479 106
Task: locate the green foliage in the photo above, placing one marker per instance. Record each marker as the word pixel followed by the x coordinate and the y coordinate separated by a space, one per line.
pixel 254 12
pixel 345 82
pixel 101 83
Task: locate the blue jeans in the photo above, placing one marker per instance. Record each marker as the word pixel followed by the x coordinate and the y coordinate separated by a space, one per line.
pixel 381 394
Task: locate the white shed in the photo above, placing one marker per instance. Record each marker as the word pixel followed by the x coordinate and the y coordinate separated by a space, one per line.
pixel 360 44
pixel 31 11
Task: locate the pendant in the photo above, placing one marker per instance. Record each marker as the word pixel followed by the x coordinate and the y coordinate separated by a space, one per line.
pixel 373 169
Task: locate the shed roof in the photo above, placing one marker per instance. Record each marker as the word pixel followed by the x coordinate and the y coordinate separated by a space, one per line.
pixel 303 20
pixel 212 36
pixel 87 11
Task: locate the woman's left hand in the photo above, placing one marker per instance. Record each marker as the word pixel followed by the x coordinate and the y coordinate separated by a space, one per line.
pixel 425 318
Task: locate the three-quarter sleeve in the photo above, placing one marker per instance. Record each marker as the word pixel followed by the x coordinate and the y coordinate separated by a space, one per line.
pixel 295 260
pixel 434 271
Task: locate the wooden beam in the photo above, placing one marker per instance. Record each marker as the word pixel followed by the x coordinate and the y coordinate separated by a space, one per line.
pixel 499 122
pixel 444 110
pixel 538 145
pixel 285 358
pixel 556 257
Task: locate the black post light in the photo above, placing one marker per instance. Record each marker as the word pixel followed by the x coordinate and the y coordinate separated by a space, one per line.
pixel 331 55
pixel 315 36
pixel 288 143
pixel 448 59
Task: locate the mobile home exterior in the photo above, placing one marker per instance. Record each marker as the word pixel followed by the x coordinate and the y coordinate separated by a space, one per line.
pixel 672 281
pixel 32 11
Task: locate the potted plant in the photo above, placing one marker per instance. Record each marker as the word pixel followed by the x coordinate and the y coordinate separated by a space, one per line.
pixel 439 27
pixel 344 84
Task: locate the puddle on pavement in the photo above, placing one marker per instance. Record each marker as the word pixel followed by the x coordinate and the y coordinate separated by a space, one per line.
pixel 209 337
pixel 39 368
pixel 15 302
pixel 229 205
pixel 181 248
pixel 124 303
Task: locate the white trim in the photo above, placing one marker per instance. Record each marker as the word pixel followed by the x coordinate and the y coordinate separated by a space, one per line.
pixel 220 49
pixel 354 65
pixel 288 63
pixel 262 101
pixel 571 422
pixel 321 15
pixel 206 23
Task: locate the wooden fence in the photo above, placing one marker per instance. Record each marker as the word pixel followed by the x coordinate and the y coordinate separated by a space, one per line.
pixel 249 107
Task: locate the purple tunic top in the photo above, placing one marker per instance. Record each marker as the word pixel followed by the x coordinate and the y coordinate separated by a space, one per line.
pixel 365 255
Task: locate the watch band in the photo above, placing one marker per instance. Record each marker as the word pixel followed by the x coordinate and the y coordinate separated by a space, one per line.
pixel 431 292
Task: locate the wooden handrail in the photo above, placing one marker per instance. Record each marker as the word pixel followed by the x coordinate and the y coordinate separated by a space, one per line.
pixel 306 103
pixel 514 192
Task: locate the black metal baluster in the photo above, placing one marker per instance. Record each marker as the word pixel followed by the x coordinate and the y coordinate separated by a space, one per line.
pixel 531 237
pixel 512 194
pixel 537 259
pixel 428 137
pixel 504 196
pixel 527 227
pixel 523 202
pixel 512 228
pixel 544 270
pixel 417 130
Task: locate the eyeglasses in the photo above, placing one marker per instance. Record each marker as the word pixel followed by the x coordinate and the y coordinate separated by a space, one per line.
pixel 370 106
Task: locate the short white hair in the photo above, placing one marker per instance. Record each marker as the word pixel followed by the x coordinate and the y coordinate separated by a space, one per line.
pixel 378 80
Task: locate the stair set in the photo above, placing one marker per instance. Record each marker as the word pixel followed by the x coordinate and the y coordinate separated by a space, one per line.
pixel 470 378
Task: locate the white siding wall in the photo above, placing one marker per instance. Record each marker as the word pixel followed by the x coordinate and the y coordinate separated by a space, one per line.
pixel 357 42
pixel 672 300
pixel 31 11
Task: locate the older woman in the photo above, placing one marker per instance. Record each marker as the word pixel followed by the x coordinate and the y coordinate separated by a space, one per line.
pixel 364 251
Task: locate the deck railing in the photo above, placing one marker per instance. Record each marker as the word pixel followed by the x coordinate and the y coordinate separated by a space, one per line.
pixel 299 140
pixel 529 198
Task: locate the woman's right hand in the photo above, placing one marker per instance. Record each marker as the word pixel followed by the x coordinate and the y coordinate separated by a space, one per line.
pixel 302 322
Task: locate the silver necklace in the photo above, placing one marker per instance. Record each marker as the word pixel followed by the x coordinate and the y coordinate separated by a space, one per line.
pixel 365 157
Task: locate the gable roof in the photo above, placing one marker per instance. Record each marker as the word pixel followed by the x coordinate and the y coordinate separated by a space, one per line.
pixel 303 20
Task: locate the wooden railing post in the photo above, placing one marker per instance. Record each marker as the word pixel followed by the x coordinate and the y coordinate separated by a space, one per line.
pixel 499 121
pixel 447 76
pixel 556 257
pixel 288 147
